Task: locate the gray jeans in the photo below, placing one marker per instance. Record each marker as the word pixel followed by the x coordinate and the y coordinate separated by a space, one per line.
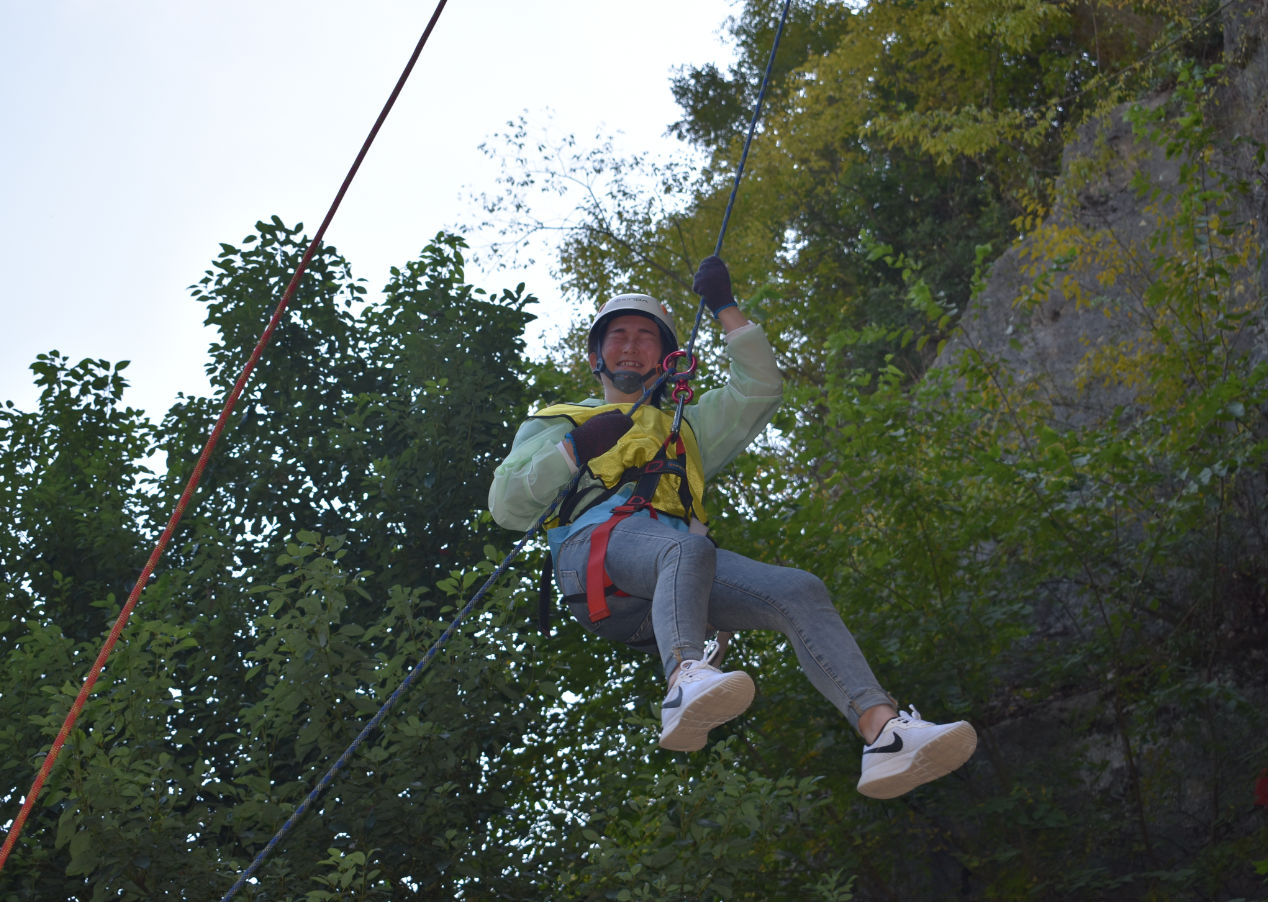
pixel 680 585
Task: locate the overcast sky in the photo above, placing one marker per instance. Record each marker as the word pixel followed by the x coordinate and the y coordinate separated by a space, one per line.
pixel 139 134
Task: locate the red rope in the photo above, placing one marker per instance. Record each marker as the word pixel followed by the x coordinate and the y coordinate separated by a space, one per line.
pixel 212 440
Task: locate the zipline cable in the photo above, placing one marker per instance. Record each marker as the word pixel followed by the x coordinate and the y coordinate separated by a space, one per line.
pixel 238 387
pixel 752 126
pixel 683 397
pixel 506 562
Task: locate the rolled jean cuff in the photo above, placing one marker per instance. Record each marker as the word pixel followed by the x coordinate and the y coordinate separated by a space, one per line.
pixel 866 700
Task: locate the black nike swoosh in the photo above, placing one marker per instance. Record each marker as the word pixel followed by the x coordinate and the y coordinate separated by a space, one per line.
pixel 895 746
pixel 676 702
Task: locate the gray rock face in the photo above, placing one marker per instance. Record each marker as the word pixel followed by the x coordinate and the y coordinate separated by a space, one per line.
pixel 1045 321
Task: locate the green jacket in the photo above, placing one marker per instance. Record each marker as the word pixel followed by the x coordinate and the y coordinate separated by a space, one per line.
pixel 725 420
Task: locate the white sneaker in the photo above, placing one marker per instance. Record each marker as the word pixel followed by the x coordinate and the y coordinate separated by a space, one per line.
pixel 910 751
pixel 701 698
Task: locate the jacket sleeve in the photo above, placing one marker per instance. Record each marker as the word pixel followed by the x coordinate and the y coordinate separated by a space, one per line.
pixel 528 480
pixel 727 419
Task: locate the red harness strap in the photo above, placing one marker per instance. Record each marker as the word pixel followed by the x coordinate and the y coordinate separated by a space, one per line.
pixel 597 580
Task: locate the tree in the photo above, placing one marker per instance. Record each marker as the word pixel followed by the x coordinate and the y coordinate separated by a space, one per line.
pixel 72 482
pixel 333 532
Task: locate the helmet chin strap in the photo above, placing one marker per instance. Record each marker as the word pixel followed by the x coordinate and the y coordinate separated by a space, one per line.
pixel 627 382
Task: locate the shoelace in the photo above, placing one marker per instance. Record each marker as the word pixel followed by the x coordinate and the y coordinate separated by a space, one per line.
pixel 910 717
pixel 691 671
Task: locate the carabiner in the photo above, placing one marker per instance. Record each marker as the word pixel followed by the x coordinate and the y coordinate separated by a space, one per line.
pixel 674 374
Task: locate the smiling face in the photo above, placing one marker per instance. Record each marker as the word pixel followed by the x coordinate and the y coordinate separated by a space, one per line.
pixel 630 342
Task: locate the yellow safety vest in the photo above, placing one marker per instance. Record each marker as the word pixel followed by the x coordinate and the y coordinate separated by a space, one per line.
pixel 623 463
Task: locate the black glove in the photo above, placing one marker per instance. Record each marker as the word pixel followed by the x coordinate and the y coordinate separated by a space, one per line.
pixel 713 283
pixel 598 434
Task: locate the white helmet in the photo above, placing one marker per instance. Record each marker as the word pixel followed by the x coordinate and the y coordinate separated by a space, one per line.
pixel 636 305
pixel 639 304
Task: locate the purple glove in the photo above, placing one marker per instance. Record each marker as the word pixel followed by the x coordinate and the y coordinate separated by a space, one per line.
pixel 599 433
pixel 713 283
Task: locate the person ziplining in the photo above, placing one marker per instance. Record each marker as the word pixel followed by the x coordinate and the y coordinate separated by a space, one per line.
pixel 630 545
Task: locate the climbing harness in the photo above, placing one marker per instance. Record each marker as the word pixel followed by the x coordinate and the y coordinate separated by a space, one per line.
pixel 597 580
pixel 640 462
pixel 682 394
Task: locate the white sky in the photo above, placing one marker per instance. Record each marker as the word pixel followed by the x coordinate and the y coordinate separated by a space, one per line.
pixel 139 134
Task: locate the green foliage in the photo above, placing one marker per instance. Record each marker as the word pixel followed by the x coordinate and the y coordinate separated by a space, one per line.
pixel 264 644
pixel 412 800
pixel 395 399
pixel 1091 596
pixel 713 831
pixel 1090 592
pixel 71 503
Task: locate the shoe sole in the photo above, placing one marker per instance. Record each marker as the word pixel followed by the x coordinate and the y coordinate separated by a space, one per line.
pixel 936 758
pixel 723 701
